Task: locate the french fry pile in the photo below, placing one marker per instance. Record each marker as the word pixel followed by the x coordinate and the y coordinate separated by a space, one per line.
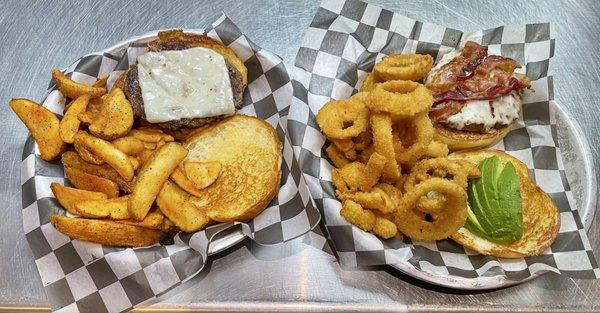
pixel 122 194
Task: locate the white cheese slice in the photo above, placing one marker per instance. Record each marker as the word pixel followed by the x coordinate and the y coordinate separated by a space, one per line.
pixel 500 111
pixel 191 83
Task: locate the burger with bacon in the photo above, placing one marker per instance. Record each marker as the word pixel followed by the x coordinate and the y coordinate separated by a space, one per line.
pixel 477 97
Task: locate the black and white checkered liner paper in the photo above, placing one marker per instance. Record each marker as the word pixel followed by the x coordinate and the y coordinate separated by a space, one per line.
pixel 83 276
pixel 340 47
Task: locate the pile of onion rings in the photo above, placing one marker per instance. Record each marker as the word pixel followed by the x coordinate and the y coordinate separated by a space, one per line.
pixel 390 175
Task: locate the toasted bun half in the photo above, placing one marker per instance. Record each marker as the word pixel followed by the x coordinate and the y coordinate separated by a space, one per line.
pixel 249 151
pixel 541 218
pixel 461 139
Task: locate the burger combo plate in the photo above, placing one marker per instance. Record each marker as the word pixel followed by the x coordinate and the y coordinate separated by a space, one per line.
pixel 163 147
pixel 439 151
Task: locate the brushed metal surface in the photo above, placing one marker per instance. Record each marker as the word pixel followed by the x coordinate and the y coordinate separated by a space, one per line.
pixel 36 36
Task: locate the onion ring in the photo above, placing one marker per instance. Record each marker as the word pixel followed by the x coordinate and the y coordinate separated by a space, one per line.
pixel 403 67
pixel 353 175
pixel 421 131
pixel 338 181
pixel 436 149
pixel 366 154
pixel 438 167
pixel 336 156
pixel 381 126
pixel 360 97
pixel 401 98
pixel 373 171
pixel 346 146
pixel 446 222
pixel 363 140
pixel 343 119
pixel 369 83
pixel 376 199
pixel 356 215
pixel 384 228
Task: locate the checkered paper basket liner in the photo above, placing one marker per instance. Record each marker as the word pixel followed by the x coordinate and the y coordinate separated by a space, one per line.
pixel 341 45
pixel 83 276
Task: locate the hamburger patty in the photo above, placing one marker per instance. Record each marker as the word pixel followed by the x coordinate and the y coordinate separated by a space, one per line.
pixel 133 91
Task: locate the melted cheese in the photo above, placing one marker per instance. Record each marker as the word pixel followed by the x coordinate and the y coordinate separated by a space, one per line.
pixel 191 83
pixel 446 58
pixel 489 113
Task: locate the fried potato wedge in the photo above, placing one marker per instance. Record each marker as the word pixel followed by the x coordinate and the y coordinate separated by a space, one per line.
pixel 73 90
pixel 202 174
pixel 74 160
pixel 106 232
pixel 101 82
pixel 129 145
pixel 151 135
pixel 184 210
pixel 179 177
pixel 43 125
pixel 167 225
pixel 69 197
pixel 115 118
pixel 92 111
pixel 69 125
pixel 85 181
pixel 108 152
pixel 144 155
pixel 86 155
pixel 114 208
pixel 153 220
pixel 152 175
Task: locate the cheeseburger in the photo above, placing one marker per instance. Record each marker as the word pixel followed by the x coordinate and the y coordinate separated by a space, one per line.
pixel 477 97
pixel 184 81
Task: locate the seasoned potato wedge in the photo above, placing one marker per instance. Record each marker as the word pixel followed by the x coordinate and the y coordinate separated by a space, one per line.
pixel 43 125
pixel 73 90
pixel 129 145
pixel 85 181
pixel 108 152
pixel 184 210
pixel 179 177
pixel 101 82
pixel 115 118
pixel 86 155
pixel 202 174
pixel 106 232
pixel 151 135
pixel 153 220
pixel 69 197
pixel 72 159
pixel 152 175
pixel 69 125
pixel 115 208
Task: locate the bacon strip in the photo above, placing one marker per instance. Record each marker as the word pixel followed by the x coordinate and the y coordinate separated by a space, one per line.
pixel 471 76
pixel 441 112
pixel 460 68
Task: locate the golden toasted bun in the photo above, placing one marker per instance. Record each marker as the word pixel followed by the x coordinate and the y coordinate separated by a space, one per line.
pixel 541 218
pixel 249 151
pixel 461 139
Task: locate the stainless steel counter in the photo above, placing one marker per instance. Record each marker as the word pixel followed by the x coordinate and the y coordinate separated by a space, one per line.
pixel 36 36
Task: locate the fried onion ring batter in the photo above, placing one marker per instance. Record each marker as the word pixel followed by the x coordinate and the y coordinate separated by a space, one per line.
pixel 343 119
pixel 401 98
pixel 403 67
pixel 445 222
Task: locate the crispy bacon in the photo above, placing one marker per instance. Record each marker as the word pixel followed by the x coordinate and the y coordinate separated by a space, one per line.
pixel 442 111
pixel 482 78
pixel 460 68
